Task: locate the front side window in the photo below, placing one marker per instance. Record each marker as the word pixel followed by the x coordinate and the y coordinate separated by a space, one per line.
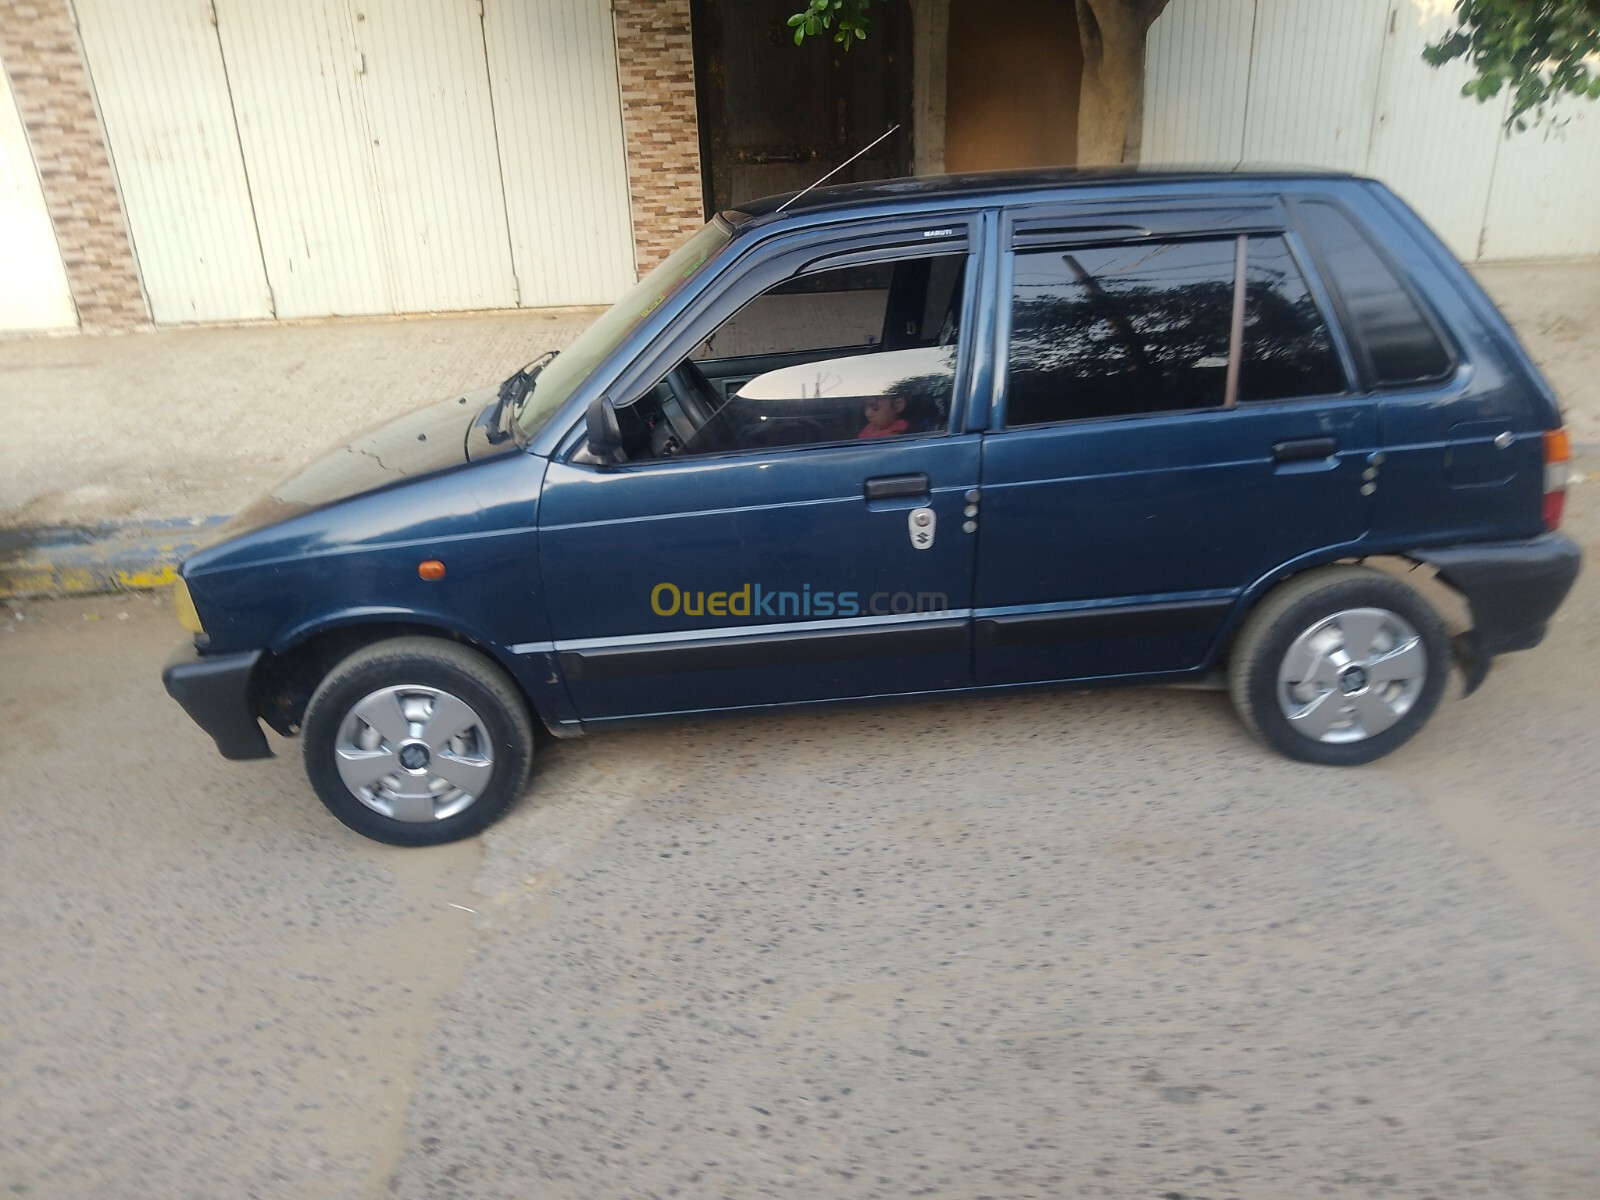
pixel 850 353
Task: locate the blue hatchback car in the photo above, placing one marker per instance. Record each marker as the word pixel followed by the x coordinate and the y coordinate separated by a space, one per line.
pixel 914 438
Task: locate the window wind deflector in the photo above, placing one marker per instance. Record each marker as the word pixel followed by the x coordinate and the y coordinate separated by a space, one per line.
pixel 949 241
pixel 1065 226
pixel 1066 234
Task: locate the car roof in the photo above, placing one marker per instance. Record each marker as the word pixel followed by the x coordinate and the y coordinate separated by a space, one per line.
pixel 1004 186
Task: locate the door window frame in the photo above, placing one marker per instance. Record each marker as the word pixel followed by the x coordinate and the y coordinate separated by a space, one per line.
pixel 1111 224
pixel 766 265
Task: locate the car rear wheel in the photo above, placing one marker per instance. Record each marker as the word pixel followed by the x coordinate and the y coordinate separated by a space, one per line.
pixel 1339 666
pixel 417 741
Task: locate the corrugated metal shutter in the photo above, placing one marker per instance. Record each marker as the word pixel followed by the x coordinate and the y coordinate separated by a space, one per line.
pixel 424 90
pixel 163 96
pixel 1313 79
pixel 1344 86
pixel 1431 144
pixel 364 135
pixel 1545 183
pixel 1197 82
pixel 33 283
pixel 567 176
pixel 326 157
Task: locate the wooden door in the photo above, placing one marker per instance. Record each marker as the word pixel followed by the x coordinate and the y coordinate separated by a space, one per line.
pixel 775 117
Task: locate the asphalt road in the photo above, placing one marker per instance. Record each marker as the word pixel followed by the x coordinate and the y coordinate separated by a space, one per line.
pixel 1046 945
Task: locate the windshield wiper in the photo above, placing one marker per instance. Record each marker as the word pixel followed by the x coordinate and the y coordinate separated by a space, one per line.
pixel 514 393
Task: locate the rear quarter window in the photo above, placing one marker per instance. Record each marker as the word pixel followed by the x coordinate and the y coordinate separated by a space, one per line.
pixel 1394 337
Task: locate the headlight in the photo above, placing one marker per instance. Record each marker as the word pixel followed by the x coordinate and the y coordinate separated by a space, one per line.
pixel 187 617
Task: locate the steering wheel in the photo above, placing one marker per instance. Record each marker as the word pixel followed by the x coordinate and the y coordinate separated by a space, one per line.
pixel 694 392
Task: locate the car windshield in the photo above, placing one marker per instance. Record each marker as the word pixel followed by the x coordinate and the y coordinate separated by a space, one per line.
pixel 563 374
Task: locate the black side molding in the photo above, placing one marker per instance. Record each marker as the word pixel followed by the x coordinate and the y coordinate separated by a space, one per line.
pixel 1078 625
pixel 215 692
pixel 769 650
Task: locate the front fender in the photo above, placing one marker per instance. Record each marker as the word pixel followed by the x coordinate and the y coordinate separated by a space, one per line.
pixel 531 666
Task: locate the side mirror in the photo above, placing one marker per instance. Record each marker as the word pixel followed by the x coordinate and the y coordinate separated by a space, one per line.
pixel 605 431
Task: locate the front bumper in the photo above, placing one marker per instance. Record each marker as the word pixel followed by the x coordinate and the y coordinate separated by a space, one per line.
pixel 215 692
pixel 1512 590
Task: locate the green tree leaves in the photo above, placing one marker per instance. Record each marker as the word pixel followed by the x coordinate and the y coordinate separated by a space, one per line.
pixel 1540 49
pixel 847 18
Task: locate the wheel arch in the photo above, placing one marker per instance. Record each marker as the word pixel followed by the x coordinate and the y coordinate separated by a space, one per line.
pixel 1421 577
pixel 288 674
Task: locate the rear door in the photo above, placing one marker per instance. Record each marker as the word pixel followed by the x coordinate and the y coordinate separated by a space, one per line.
pixel 1174 421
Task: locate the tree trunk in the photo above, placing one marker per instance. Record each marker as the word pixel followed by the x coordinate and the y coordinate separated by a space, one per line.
pixel 1110 105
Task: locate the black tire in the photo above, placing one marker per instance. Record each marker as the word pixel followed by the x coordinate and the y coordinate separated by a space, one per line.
pixel 1306 615
pixel 402 685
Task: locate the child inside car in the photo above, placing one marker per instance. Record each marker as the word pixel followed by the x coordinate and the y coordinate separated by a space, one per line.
pixel 885 417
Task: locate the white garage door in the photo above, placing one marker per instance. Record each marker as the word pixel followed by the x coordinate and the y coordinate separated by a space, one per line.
pixel 1344 85
pixel 164 99
pixel 321 157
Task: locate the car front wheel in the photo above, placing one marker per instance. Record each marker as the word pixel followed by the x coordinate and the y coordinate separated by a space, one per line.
pixel 417 741
pixel 1339 666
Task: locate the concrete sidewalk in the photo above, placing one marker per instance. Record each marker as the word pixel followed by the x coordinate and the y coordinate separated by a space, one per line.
pixel 118 451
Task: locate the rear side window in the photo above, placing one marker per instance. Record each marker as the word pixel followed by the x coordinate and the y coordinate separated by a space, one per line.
pixel 1400 344
pixel 1109 331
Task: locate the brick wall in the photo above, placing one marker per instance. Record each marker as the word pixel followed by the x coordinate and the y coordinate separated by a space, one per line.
pixel 655 58
pixel 39 49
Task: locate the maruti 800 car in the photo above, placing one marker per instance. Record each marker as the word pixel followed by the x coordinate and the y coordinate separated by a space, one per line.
pixel 916 438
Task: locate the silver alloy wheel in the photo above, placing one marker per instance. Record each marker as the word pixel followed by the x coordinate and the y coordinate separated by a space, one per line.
pixel 414 753
pixel 1352 675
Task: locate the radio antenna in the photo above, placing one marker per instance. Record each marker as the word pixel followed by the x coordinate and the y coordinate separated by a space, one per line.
pixel 839 168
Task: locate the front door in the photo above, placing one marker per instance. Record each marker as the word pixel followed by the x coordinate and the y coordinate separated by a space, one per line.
pixel 786 521
pixel 1133 486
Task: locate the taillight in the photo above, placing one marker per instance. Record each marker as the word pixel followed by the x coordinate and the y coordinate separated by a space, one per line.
pixel 1557 453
